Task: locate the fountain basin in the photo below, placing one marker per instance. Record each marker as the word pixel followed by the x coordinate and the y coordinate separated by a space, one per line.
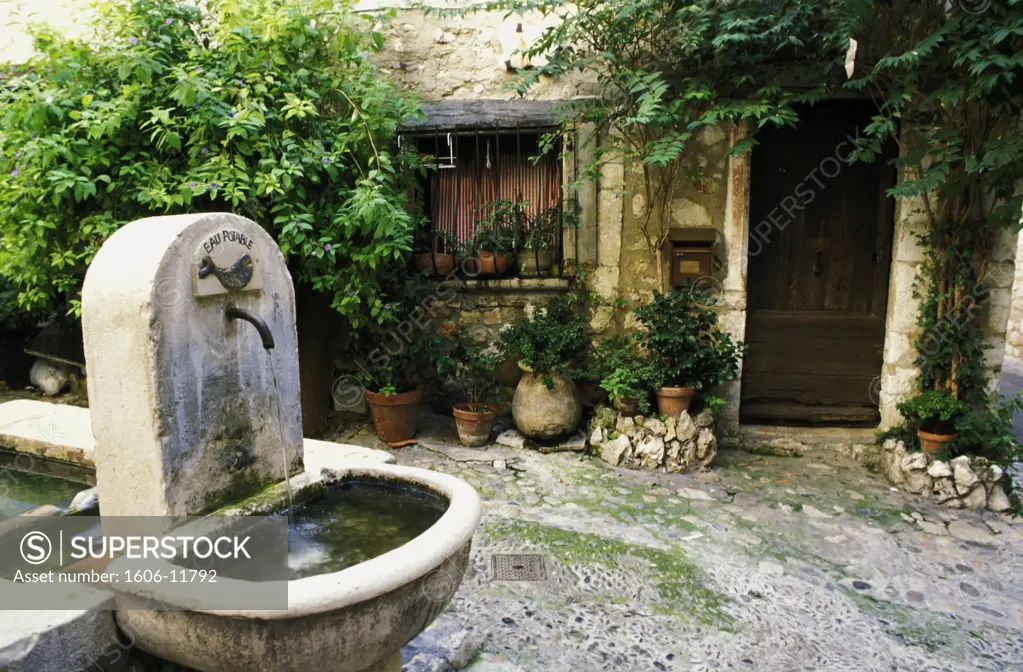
pixel 351 620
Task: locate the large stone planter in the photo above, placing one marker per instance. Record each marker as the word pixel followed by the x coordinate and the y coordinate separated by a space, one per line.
pixel 543 413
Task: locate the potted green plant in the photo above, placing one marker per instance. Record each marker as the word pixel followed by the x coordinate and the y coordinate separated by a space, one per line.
pixel 496 240
pixel 688 350
pixel 539 237
pixel 934 414
pixel 431 251
pixel 625 373
pixel 393 374
pixel 549 346
pixel 469 365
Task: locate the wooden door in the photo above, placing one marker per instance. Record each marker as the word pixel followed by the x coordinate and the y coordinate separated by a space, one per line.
pixel 819 256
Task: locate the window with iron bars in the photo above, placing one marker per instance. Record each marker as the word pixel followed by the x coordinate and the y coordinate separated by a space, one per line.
pixel 493 202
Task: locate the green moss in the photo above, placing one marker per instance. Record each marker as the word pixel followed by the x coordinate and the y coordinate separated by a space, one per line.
pixel 684 588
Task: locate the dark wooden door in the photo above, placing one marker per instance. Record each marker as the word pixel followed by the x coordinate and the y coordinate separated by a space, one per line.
pixel 819 256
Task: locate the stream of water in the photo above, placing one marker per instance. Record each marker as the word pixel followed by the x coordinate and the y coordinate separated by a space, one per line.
pixel 284 447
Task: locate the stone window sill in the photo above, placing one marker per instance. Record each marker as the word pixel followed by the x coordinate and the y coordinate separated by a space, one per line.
pixel 520 285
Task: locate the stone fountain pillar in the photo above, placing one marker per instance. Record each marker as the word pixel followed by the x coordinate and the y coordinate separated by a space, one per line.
pixel 182 399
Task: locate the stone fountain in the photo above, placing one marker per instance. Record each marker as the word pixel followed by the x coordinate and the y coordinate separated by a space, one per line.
pixel 192 410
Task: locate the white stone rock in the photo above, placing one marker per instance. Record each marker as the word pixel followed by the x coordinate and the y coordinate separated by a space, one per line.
pixel 891 463
pixel 976 498
pixel 626 426
pixel 939 469
pixel 772 569
pixel 814 512
pixel 693 493
pixel 918 482
pixel 650 452
pixel 705 418
pixel 511 438
pixel 914 462
pixel 597 436
pixel 669 429
pixel 500 465
pixel 944 490
pixel 706 445
pixel 50 377
pixel 964 477
pixel 615 450
pixel 993 474
pixel 960 529
pixel 686 429
pixel 655 426
pixel 86 500
pixel 997 500
pixel 937 529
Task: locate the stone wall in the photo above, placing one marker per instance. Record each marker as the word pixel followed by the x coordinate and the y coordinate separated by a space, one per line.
pixel 963 482
pixel 1014 328
pixel 672 445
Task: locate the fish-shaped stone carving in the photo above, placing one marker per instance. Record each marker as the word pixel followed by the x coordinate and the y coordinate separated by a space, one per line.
pixel 236 277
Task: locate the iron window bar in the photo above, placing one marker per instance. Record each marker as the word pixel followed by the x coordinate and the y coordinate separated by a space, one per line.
pixel 536 225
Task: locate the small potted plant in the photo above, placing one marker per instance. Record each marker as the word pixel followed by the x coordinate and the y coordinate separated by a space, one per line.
pixel 538 242
pixel 625 373
pixel 934 414
pixel 549 346
pixel 469 365
pixel 393 374
pixel 431 251
pixel 688 350
pixel 496 240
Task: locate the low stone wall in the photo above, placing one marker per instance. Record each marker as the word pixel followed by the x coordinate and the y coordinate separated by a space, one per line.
pixel 675 445
pixel 959 483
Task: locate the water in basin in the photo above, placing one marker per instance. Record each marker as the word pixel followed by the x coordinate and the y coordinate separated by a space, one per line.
pixel 357 521
pixel 22 490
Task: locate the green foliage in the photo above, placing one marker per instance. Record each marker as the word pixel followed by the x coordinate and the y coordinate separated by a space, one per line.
pixel 540 232
pixel 469 365
pixel 681 334
pixel 624 372
pixel 401 354
pixel 500 231
pixel 935 411
pixel 946 83
pixel 268 108
pixel 552 341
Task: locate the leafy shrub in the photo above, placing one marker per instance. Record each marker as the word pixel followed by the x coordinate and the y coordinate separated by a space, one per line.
pixel 402 354
pixel 552 341
pixel 624 372
pixel 935 411
pixel 681 335
pixel 469 365
pixel 268 108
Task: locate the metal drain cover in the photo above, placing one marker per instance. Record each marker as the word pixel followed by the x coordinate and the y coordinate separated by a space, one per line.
pixel 512 567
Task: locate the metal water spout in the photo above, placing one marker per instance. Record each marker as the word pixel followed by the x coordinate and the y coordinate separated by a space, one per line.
pixel 235 313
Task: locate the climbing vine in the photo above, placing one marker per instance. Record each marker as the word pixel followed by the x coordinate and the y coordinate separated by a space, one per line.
pixel 945 77
pixel 272 109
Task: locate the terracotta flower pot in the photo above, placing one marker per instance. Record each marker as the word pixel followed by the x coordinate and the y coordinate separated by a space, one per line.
pixel 628 406
pixel 474 425
pixel 436 263
pixel 671 401
pixel 394 416
pixel 932 442
pixel 491 264
pixel 531 260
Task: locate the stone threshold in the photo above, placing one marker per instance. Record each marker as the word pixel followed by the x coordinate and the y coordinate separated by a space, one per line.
pixel 858 443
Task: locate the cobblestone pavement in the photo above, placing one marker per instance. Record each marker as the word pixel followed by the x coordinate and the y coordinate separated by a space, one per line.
pixel 762 563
